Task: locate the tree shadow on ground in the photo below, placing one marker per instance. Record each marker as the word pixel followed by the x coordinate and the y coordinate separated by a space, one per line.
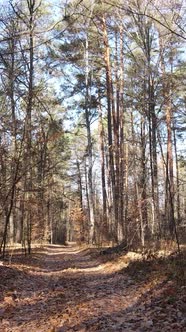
pixel 48 260
pixel 53 294
pixel 161 307
pixel 77 290
pixel 172 266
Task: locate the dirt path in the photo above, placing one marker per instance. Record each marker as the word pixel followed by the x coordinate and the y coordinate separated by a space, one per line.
pixel 66 289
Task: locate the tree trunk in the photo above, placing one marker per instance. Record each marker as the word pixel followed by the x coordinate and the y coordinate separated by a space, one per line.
pixel 28 127
pixel 110 126
pixel 89 146
pixel 103 175
pixel 169 199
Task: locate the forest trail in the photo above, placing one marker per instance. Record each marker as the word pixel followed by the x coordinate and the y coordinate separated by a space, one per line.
pixel 62 289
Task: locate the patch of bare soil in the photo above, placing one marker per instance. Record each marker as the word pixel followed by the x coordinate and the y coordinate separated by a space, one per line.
pixel 61 289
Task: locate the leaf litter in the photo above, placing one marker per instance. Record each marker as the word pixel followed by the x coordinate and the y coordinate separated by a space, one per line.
pixel 61 289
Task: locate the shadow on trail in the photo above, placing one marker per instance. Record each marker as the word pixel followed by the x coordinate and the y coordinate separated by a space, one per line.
pixel 51 287
pixel 88 302
pixel 55 259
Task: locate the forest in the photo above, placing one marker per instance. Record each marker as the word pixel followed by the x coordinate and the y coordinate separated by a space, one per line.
pixel 92 128
pixel 92 165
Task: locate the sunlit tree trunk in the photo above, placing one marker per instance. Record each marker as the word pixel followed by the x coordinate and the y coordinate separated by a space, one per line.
pixel 152 135
pixel 110 125
pixel 28 128
pixel 102 154
pixel 177 179
pixel 123 152
pixel 80 186
pixel 89 145
pixel 169 183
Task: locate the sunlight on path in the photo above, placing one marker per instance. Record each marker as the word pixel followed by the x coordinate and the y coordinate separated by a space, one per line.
pixel 62 289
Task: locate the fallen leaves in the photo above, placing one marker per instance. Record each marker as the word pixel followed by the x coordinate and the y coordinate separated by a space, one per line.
pixel 65 289
pixel 9 301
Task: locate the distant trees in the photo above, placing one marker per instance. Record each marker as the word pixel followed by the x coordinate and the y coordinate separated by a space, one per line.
pixel 105 142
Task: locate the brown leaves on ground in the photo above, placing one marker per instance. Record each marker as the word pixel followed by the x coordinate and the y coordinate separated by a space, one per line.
pixel 61 289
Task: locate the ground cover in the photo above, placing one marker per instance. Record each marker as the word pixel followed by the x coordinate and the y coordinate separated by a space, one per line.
pixel 61 289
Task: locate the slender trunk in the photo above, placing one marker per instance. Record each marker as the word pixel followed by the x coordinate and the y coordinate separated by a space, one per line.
pixel 87 199
pixel 102 154
pixel 143 176
pixel 110 119
pixel 152 145
pixel 123 166
pixel 177 179
pixel 80 187
pixel 170 176
pixel 14 131
pixel 142 225
pixel 169 199
pixel 89 146
pixel 28 130
pixel 116 131
pixel 126 188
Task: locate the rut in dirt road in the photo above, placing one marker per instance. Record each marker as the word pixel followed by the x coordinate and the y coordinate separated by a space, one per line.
pixel 71 289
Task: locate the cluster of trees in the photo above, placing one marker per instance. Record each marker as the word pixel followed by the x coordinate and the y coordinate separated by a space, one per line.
pixel 93 111
pixel 32 141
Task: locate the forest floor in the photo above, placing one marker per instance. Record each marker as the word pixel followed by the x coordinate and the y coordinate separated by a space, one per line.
pixel 61 289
